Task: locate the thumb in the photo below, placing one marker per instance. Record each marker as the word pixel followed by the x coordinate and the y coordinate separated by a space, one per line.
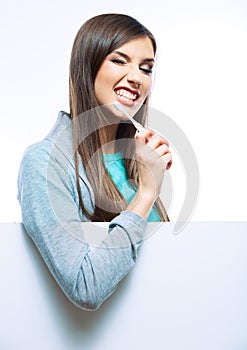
pixel 144 135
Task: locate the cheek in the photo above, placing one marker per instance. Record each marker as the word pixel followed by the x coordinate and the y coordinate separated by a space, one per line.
pixel 104 80
pixel 99 85
pixel 147 88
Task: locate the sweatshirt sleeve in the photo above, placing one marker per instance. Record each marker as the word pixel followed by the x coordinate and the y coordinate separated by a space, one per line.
pixel 88 274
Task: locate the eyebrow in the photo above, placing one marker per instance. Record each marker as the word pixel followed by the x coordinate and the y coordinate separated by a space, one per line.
pixel 128 58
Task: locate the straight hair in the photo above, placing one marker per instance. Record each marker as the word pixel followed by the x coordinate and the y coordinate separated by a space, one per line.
pixel 95 40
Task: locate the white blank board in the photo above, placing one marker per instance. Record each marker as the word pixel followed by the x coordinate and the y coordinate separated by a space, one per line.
pixel 187 291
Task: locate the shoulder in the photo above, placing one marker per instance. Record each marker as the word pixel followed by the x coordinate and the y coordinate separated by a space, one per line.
pixel 38 149
pixel 58 144
pixel 36 156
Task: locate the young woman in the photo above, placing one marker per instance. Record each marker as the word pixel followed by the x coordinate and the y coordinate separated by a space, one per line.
pixel 93 166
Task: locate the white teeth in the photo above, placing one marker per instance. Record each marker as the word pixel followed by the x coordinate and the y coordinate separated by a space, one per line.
pixel 128 95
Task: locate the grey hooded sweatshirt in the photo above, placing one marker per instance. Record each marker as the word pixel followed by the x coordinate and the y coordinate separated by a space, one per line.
pixel 87 270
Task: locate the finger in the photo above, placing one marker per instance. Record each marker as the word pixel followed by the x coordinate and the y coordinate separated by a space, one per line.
pixel 144 135
pixel 156 140
pixel 162 150
pixel 167 159
pixel 168 165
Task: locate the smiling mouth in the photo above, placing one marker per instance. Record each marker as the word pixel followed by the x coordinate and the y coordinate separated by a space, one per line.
pixel 127 94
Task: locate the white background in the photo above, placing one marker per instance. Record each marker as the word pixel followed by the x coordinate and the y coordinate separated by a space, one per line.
pixel 200 82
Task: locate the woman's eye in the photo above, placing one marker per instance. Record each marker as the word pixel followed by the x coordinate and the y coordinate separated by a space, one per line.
pixel 118 61
pixel 146 69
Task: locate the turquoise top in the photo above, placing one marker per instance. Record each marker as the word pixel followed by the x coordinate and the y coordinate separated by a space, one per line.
pixel 114 164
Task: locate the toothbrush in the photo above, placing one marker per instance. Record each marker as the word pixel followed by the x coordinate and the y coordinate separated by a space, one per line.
pixel 120 108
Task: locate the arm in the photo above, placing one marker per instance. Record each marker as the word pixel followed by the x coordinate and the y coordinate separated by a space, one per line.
pixel 86 274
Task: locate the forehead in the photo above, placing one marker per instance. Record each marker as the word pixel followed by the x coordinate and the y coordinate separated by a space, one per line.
pixel 142 47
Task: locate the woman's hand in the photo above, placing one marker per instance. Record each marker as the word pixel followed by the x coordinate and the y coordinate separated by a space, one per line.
pixel 154 157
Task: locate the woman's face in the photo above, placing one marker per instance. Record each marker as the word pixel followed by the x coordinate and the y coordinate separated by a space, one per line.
pixel 125 76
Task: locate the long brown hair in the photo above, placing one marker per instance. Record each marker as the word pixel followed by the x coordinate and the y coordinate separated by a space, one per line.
pixel 98 37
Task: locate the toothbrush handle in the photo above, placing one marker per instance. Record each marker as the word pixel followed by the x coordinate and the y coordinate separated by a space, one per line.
pixel 137 125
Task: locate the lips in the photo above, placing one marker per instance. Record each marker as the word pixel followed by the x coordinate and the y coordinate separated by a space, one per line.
pixel 127 94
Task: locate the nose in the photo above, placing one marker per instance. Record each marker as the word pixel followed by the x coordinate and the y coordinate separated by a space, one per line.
pixel 134 77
